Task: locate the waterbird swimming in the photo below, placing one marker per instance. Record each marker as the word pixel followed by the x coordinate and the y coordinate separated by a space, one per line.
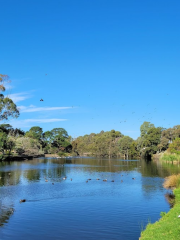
pixel 22 200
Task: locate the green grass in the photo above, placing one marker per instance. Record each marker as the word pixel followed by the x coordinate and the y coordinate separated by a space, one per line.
pixel 63 154
pixel 170 157
pixel 168 227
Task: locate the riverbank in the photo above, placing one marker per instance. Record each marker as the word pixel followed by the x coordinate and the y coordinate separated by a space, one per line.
pixel 51 155
pixel 174 158
pixel 20 158
pixel 168 227
pixel 167 157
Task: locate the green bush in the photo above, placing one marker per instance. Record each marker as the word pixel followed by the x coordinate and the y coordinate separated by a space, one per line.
pixel 62 154
pixel 2 157
pixel 170 157
pixel 174 147
pixel 20 151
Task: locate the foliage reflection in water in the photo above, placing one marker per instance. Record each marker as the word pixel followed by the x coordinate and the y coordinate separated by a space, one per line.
pixel 62 204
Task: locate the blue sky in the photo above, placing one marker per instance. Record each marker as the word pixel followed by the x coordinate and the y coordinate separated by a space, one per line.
pixel 98 65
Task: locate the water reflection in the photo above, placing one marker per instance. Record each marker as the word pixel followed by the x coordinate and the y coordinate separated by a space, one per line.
pixel 13 173
pixel 170 197
pixel 40 182
pixel 5 213
pixel 9 178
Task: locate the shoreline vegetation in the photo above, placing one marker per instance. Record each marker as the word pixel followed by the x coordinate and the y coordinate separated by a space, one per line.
pixel 153 143
pixel 20 157
pixel 167 157
pixel 168 227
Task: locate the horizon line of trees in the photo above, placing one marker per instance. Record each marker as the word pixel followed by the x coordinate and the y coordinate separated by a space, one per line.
pixel 113 143
pixel 152 140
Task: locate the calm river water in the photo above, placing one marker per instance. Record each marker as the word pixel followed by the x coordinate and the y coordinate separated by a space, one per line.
pixel 58 208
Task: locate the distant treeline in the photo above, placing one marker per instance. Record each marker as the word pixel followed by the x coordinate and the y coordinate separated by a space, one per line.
pixel 112 143
pixel 33 142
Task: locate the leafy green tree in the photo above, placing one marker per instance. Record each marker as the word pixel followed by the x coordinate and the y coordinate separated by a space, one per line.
pixel 57 140
pixel 163 145
pixel 48 137
pixel 20 151
pixel 176 131
pixel 3 141
pixel 102 144
pixel 145 127
pixel 35 133
pixel 150 141
pixel 10 131
pixel 168 134
pixel 62 144
pixel 17 132
pixel 47 141
pixel 174 147
pixel 125 144
pixel 7 107
pixel 59 133
pixel 10 145
pixel 29 145
pixel 134 149
pixel 6 128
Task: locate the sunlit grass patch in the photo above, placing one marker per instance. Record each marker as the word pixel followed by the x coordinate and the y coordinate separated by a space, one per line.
pixel 170 157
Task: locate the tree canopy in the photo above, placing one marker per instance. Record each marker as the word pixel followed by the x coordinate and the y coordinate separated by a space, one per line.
pixel 35 133
pixel 174 147
pixel 7 107
pixel 145 127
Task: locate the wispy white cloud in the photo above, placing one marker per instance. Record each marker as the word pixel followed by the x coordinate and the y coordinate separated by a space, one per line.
pixel 17 97
pixel 26 123
pixel 45 120
pixel 8 86
pixel 33 108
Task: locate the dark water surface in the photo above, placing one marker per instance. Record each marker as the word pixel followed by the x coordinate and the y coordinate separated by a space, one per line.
pixel 78 209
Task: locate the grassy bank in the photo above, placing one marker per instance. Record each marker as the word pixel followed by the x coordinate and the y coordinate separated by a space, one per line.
pixel 168 157
pixel 168 227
